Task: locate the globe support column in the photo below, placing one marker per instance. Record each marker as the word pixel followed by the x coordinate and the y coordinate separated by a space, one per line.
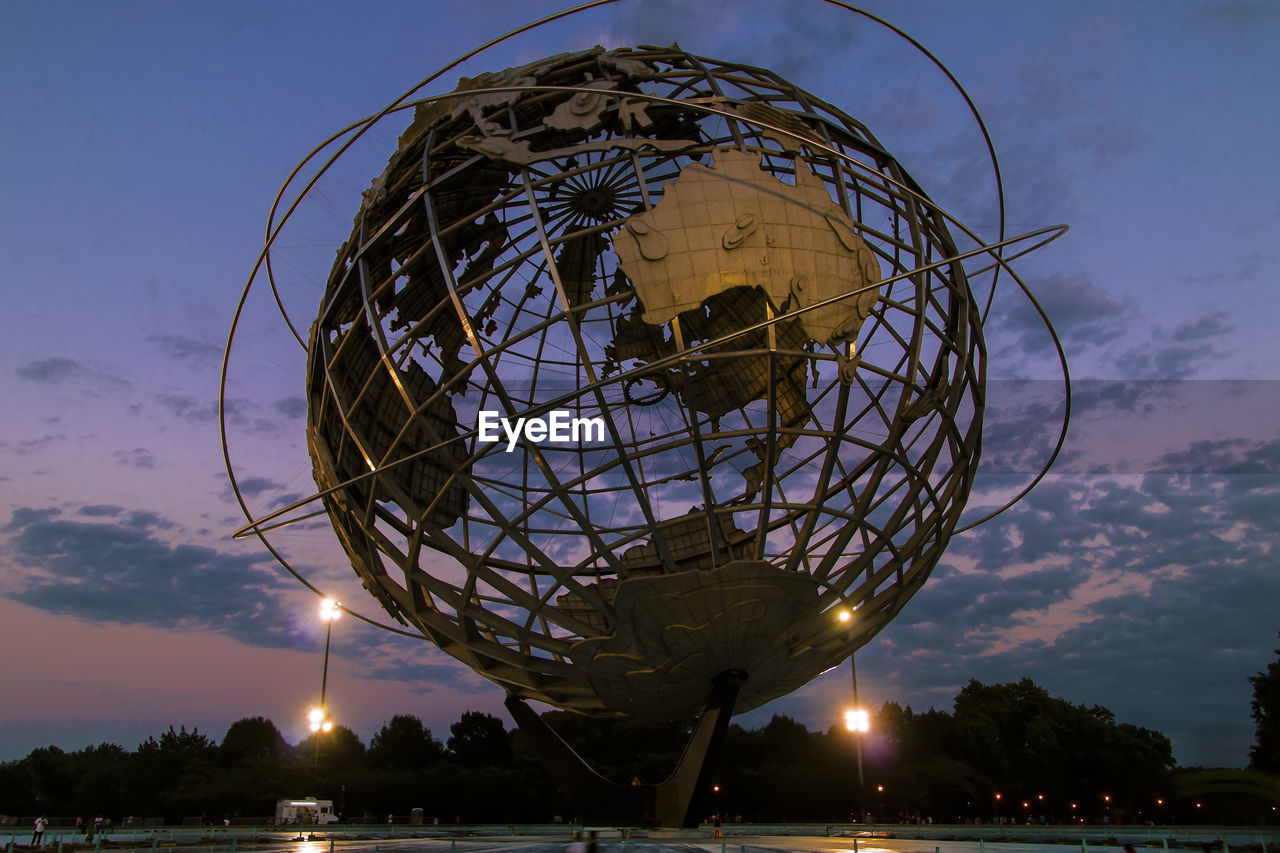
pixel 671 803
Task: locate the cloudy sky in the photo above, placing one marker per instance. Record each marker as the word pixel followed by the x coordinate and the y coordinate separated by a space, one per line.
pixel 143 144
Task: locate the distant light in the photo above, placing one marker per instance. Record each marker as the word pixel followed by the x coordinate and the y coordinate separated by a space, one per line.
pixel 1041 796
pixel 857 720
pixel 1026 805
pixel 998 796
pixel 330 609
pixel 1159 802
pixel 844 615
pixel 1073 805
pixel 715 788
pixel 1106 797
pixel 326 726
pixel 880 788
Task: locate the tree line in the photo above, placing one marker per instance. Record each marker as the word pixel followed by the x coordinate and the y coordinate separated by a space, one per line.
pixel 1006 752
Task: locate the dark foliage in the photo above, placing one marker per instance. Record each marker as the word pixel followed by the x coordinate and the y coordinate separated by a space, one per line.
pixel 1265 752
pixel 1041 755
pixel 404 743
pixel 479 740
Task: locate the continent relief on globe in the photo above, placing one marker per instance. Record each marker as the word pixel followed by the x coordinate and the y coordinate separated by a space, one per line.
pixel 734 225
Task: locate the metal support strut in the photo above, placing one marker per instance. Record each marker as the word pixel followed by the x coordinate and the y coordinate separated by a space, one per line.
pixel 672 803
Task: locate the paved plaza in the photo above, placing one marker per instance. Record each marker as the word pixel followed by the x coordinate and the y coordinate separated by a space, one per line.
pixel 808 838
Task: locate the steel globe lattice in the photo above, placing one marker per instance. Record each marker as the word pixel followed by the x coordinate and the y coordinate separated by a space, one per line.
pixel 754 331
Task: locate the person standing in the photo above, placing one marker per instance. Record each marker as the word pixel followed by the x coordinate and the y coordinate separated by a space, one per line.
pixel 37 834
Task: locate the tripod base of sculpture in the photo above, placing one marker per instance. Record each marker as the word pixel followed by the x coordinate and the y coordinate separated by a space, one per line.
pixel 672 803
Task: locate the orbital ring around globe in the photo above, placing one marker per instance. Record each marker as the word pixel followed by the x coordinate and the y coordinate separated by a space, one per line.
pixel 552 596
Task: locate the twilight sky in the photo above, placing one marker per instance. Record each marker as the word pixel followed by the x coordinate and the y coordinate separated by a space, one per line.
pixel 142 146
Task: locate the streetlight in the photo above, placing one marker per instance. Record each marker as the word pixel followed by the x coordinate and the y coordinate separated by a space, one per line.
pixel 329 611
pixel 858 722
pixel 856 719
pixel 319 720
pixel 319 716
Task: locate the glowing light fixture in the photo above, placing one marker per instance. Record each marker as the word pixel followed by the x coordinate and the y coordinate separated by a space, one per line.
pixel 857 720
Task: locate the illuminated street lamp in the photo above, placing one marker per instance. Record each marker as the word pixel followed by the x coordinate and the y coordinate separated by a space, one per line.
pixel 329 611
pixel 856 719
pixel 318 718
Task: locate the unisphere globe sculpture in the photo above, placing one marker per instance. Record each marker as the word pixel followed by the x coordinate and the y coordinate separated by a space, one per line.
pixel 646 384
pixel 759 392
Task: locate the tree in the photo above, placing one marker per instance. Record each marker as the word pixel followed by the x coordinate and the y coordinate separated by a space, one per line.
pixel 104 784
pixel 1265 752
pixel 339 749
pixel 479 740
pixel 1029 743
pixel 171 774
pixel 785 741
pixel 41 781
pixel 250 739
pixel 404 743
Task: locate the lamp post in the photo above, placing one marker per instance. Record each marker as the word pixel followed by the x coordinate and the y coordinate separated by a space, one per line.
pixel 856 720
pixel 319 716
